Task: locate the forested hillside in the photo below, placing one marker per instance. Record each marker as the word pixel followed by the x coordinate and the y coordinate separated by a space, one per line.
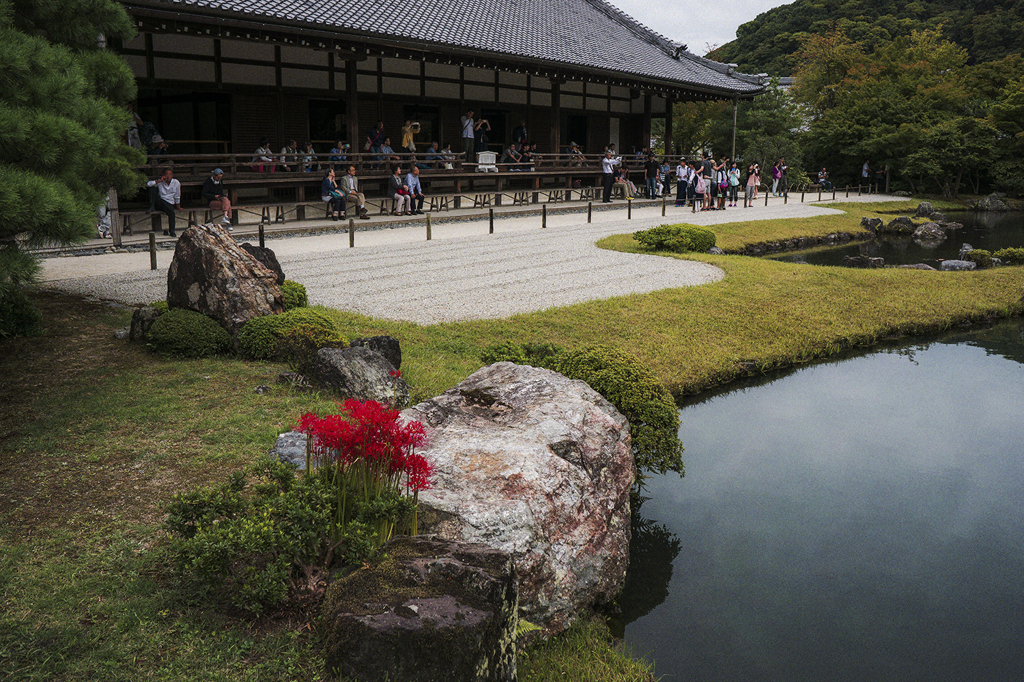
pixel 988 29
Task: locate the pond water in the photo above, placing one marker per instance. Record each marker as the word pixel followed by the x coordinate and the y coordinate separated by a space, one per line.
pixel 989 231
pixel 852 520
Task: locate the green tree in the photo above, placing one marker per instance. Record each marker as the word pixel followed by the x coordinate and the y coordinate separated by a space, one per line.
pixel 1007 115
pixel 62 125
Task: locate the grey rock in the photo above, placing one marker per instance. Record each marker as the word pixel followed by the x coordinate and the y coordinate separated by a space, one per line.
pixel 929 231
pixel 949 225
pixel 863 262
pixel 965 249
pixel 996 262
pixel 360 373
pixel 956 265
pixel 990 203
pixel 290 448
pixel 142 320
pixel 538 466
pixel 873 224
pixel 122 334
pixel 937 217
pixel 924 210
pixel 916 266
pixel 212 275
pixel 266 257
pixel 900 225
pixel 717 251
pixel 440 610
pixel 261 390
pixel 388 346
pixel 295 380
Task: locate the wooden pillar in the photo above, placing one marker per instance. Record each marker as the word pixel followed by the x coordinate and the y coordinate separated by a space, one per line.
pixel 352 105
pixel 556 117
pixel 646 132
pixel 735 109
pixel 669 103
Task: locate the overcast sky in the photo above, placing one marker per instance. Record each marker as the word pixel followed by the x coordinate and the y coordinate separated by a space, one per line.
pixel 696 23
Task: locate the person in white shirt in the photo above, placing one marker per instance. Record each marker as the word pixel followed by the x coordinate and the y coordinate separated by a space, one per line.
pixel 350 188
pixel 682 182
pixel 263 158
pixel 412 180
pixel 289 157
pixel 165 196
pixel 608 165
pixel 469 128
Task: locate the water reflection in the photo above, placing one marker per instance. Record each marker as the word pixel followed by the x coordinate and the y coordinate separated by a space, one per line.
pixel 989 231
pixel 854 520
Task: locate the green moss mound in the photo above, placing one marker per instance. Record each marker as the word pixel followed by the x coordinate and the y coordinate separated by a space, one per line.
pixel 534 354
pixel 632 387
pixel 980 257
pixel 260 337
pixel 1010 256
pixel 298 345
pixel 294 295
pixel 184 333
pixel 160 306
pixel 676 238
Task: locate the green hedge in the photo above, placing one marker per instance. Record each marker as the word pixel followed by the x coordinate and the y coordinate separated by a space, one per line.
pixel 1010 256
pixel 676 238
pixel 980 257
pixel 294 295
pixel 187 334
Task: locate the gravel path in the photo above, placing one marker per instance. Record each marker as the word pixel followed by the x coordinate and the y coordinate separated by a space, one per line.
pixel 462 273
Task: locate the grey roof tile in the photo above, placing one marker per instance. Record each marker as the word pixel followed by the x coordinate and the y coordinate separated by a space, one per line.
pixel 589 34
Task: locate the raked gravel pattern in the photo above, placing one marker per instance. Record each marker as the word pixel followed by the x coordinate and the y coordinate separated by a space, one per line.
pixel 461 274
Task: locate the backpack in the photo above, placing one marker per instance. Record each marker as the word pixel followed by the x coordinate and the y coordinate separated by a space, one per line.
pixel 699 186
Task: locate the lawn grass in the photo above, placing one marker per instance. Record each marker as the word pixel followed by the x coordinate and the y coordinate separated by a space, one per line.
pixel 95 434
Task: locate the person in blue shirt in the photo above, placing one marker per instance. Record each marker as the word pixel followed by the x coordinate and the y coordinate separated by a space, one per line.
pixel 412 180
pixel 337 153
pixel 330 193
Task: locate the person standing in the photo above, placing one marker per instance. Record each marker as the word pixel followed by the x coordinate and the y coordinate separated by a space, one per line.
pixel 608 165
pixel 776 176
pixel 213 192
pixel 734 184
pixel 412 181
pixel 409 130
pixel 682 182
pixel 865 174
pixel 751 193
pixel 350 190
pixel 329 193
pixel 469 128
pixel 167 197
pixel 399 191
pixel 651 170
pixel 783 177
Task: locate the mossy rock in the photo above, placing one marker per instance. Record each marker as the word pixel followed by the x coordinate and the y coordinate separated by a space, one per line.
pixel 187 334
pixel 259 338
pixel 626 382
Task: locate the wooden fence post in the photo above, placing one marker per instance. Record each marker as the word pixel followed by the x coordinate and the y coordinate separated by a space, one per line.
pixel 490 217
pixel 152 250
pixel 351 232
pixel 544 215
pixel 428 227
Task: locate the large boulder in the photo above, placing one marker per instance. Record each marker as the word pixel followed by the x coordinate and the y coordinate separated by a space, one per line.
pixel 900 225
pixel 990 203
pixel 538 466
pixel 266 257
pixel 873 224
pixel 212 275
pixel 360 373
pixel 957 265
pixel 432 610
pixel 929 232
pixel 924 210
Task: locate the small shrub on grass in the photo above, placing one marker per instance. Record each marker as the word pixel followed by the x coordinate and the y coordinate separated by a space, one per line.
pixel 1010 256
pixel 187 334
pixel 535 354
pixel 294 295
pixel 676 238
pixel 980 257
pixel 259 338
pixel 635 391
pixel 160 306
pixel 298 345
pixel 18 317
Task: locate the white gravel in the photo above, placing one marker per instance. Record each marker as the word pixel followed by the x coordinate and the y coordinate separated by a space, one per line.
pixel 462 273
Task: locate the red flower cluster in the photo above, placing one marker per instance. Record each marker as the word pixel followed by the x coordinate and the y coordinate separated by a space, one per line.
pixel 370 433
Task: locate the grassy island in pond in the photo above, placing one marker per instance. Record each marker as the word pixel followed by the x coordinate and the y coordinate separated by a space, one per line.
pixel 98 434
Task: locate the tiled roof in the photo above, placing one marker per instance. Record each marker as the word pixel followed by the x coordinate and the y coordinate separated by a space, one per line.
pixel 588 34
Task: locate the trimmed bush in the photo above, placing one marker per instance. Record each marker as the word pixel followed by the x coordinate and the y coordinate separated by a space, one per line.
pixel 294 295
pixel 980 257
pixel 534 354
pixel 160 306
pixel 298 345
pixel 633 388
pixel 187 334
pixel 18 317
pixel 258 339
pixel 676 238
pixel 1010 256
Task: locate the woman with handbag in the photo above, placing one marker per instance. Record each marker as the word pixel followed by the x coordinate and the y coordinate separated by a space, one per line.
pixel 330 194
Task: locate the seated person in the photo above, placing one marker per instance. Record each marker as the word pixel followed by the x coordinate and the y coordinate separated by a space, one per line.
pixel 412 181
pixel 165 196
pixel 263 158
pixel 213 192
pixel 399 191
pixel 309 160
pixel 622 177
pixel 349 187
pixel 823 179
pixel 157 146
pixel 330 193
pixel 576 157
pixel 433 156
pixel 529 155
pixel 388 154
pixel 338 153
pixel 511 155
pixel 289 157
